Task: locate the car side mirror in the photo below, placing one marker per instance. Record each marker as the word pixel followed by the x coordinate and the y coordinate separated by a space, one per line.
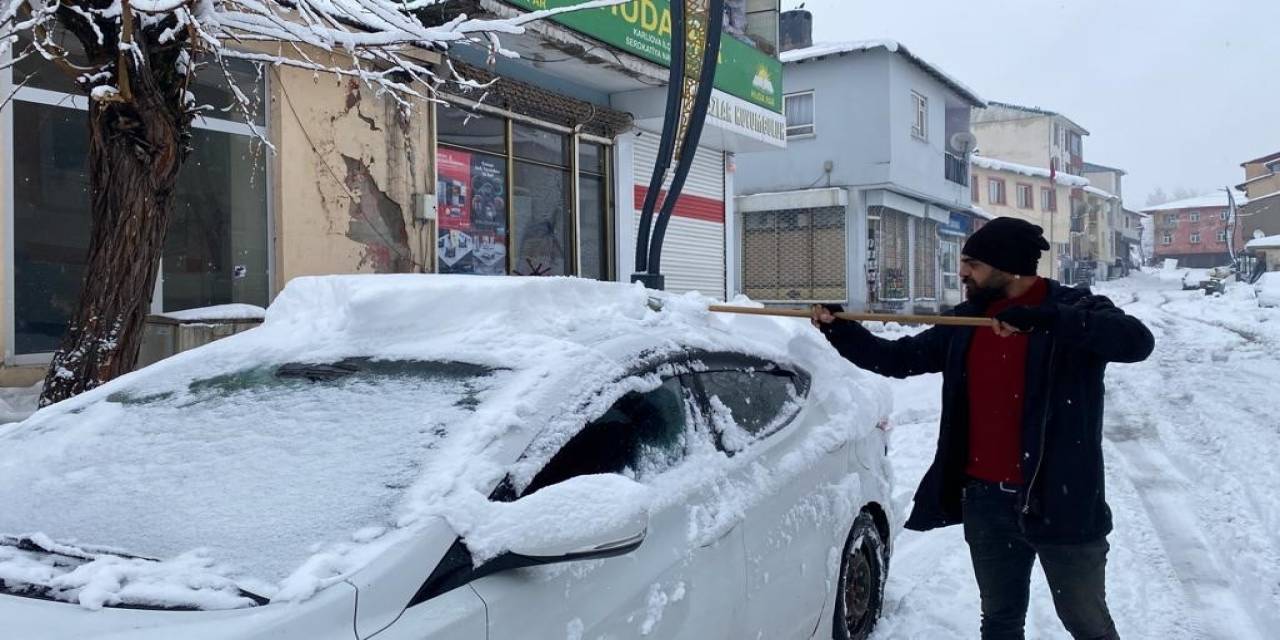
pixel 582 518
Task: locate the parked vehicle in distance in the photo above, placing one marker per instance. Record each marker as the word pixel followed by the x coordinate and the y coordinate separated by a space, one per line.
pixel 1267 289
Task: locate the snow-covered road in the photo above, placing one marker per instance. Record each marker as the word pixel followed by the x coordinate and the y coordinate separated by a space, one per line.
pixel 1193 478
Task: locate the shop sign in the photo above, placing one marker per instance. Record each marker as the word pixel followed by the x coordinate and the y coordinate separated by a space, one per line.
pixel 958 224
pixel 740 116
pixel 643 28
pixel 472 209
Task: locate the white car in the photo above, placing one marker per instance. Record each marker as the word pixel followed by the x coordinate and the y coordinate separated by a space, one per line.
pixel 453 457
pixel 1267 289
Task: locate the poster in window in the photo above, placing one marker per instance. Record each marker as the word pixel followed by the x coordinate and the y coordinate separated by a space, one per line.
pixel 489 214
pixel 453 169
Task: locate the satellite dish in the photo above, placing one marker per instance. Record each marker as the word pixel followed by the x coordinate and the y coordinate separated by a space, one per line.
pixel 964 142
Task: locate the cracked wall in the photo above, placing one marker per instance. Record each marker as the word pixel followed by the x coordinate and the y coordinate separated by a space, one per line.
pixel 348 163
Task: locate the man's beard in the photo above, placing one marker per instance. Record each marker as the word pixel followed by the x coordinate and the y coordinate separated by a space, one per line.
pixel 980 295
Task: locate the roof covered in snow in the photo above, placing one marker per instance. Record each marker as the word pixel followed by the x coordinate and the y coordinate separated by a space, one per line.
pixel 993 164
pixel 1265 242
pixel 1215 199
pixel 1037 111
pixel 1101 193
pixel 826 49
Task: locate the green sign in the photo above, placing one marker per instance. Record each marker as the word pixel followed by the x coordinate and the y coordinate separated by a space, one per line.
pixel 643 27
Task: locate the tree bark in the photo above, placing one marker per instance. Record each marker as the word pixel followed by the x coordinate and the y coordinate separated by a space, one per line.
pixel 136 149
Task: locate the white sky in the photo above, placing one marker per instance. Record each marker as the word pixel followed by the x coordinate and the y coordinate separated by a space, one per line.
pixel 1176 92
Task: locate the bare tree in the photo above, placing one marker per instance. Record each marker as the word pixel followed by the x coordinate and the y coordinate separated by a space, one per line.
pixel 139 59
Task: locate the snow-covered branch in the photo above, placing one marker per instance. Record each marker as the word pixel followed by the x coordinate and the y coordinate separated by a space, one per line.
pixel 372 40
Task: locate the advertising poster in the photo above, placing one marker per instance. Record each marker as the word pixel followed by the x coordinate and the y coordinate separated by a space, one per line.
pixel 472 199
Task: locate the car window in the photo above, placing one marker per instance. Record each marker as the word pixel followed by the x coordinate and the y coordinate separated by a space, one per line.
pixel 641 435
pixel 749 404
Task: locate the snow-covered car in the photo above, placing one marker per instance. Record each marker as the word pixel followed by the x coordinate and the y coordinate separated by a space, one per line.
pixel 454 457
pixel 1267 289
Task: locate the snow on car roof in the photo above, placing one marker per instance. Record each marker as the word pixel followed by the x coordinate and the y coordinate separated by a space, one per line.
pixel 209 462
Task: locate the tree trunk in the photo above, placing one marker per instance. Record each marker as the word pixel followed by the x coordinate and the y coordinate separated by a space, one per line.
pixel 136 148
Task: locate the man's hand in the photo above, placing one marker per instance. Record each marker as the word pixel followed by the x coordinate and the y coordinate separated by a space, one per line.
pixel 1024 319
pixel 824 314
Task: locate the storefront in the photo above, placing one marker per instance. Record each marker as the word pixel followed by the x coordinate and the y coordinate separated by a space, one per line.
pixel 216 249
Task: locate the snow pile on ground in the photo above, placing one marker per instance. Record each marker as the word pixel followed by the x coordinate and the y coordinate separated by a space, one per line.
pixel 1191 440
pixel 216 451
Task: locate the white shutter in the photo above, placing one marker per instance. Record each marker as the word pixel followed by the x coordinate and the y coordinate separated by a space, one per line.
pixel 693 250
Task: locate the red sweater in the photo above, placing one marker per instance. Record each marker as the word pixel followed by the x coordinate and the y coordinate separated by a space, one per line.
pixel 997 371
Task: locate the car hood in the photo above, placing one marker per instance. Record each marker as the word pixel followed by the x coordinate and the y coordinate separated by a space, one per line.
pixel 326 616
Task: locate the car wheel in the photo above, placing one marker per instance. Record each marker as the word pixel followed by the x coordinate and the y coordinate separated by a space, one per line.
pixel 860 593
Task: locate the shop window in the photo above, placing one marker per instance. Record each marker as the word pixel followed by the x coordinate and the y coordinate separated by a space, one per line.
pixel 217 240
pixel 949 251
pixel 541 203
pixel 892 244
pixel 470 129
pixel 479 200
pixel 594 211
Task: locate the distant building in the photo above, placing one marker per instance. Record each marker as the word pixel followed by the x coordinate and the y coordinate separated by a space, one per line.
pixel 1194 231
pixel 1262 187
pixel 1109 241
pixel 1022 191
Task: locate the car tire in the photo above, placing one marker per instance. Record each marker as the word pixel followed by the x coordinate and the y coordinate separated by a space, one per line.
pixel 860 590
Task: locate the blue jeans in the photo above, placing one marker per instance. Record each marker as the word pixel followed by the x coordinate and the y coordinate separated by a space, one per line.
pixel 1002 562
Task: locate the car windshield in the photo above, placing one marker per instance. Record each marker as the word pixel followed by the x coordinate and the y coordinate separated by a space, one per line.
pixel 260 468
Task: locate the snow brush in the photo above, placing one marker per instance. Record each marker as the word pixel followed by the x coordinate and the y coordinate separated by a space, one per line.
pixel 958 321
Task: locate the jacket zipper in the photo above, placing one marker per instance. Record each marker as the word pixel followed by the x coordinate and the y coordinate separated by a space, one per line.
pixel 1044 421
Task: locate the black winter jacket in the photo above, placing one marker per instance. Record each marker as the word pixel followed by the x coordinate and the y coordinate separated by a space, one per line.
pixel 1064 499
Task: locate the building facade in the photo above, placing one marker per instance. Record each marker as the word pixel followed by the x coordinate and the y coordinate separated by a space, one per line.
pixel 541 172
pixel 1021 191
pixel 1195 231
pixel 869 204
pixel 1261 215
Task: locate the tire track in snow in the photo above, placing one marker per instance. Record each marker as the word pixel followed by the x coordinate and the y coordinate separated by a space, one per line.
pixel 1168 496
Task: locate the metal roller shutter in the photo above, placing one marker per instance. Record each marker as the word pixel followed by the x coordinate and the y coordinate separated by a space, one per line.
pixel 693 251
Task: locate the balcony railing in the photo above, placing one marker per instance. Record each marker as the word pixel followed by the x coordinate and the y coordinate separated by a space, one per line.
pixel 957 169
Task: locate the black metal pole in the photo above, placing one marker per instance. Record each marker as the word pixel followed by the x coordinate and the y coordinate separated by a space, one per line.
pixel 666 147
pixel 689 148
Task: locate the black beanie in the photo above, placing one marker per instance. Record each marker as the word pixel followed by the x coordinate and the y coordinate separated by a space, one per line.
pixel 1008 244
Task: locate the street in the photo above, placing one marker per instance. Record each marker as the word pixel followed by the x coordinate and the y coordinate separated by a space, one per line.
pixel 1192 442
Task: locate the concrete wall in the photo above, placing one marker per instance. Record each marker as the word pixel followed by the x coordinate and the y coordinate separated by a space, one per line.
pixel 851 113
pixel 1023 141
pixel 347 166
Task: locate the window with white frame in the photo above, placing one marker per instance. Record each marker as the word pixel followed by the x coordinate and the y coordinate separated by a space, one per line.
pixel 1195 238
pixel 920 124
pixel 1222 236
pixel 1048 199
pixel 1194 216
pixel 995 191
pixel 1025 199
pixel 799 111
pixel 216 248
pixel 1166 238
pixel 1222 215
pixel 1273 166
pixel 949 256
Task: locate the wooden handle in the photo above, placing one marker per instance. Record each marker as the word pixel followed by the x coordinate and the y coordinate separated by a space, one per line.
pixel 958 321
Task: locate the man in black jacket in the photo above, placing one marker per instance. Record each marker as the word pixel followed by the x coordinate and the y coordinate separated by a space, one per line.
pixel 1019 459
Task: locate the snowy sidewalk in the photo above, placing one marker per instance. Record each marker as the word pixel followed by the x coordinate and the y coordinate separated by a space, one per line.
pixel 1193 479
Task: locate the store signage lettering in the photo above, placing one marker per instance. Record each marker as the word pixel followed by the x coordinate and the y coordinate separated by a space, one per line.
pixel 643 27
pixel 767 125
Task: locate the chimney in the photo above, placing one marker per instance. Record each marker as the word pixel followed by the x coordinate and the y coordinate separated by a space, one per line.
pixel 795 29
